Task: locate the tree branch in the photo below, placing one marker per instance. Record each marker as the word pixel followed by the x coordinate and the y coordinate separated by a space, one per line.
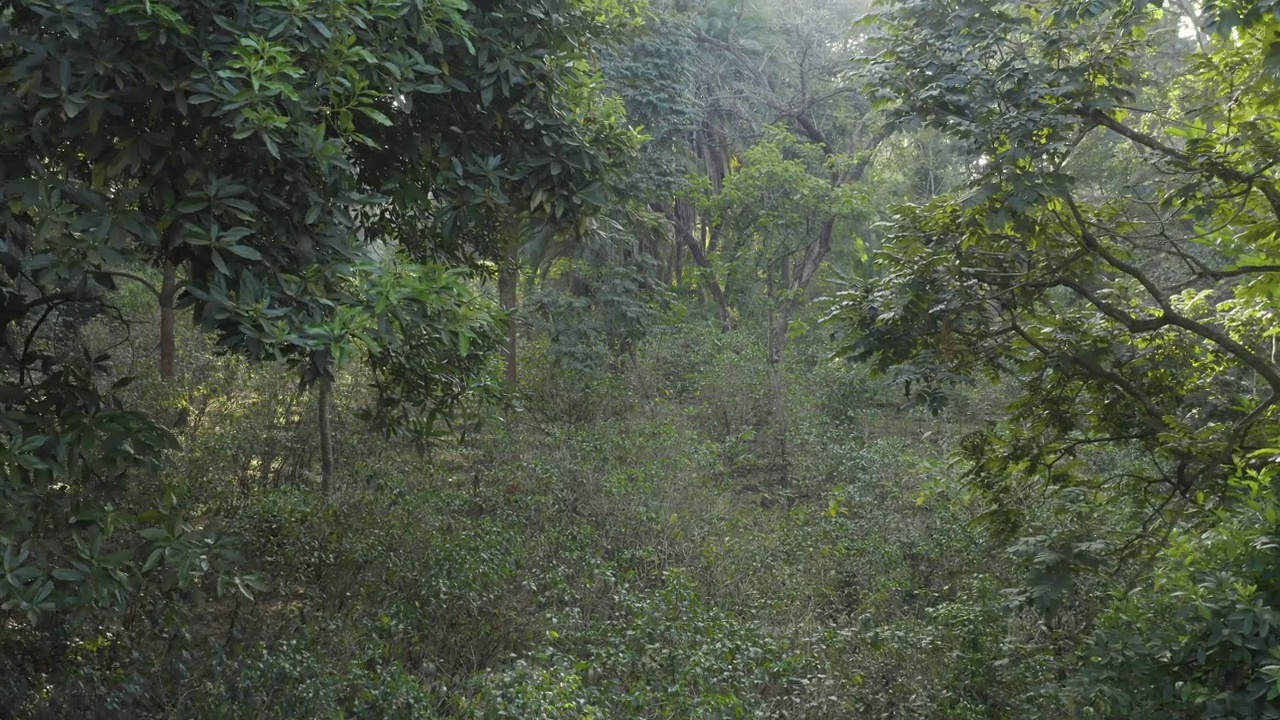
pixel 1154 414
pixel 1131 323
pixel 130 276
pixel 1218 169
pixel 1171 316
pixel 1238 271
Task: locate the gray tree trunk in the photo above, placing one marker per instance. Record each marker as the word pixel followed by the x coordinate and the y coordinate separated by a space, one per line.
pixel 328 467
pixel 508 277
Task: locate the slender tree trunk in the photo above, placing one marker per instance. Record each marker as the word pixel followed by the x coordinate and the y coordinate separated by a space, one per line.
pixel 722 303
pixel 717 292
pixel 780 422
pixel 794 282
pixel 328 468
pixel 508 277
pixel 778 321
pixel 696 250
pixel 168 345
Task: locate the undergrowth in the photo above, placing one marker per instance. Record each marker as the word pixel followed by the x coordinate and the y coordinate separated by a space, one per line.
pixel 617 545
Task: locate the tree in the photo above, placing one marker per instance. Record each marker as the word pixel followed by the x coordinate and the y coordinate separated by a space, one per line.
pixel 754 66
pixel 780 212
pixel 658 77
pixel 275 149
pixel 1151 302
pixel 777 101
pixel 536 141
pixel 704 82
pixel 1115 252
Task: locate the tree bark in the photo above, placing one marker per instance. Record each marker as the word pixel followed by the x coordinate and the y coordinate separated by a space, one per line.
pixel 700 259
pixel 508 277
pixel 796 282
pixel 717 292
pixel 679 269
pixel 780 422
pixel 328 468
pixel 168 344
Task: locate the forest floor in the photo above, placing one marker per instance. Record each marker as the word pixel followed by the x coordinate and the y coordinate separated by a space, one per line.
pixel 636 543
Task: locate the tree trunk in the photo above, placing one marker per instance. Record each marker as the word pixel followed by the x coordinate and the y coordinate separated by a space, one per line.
pixel 679 269
pixel 508 277
pixel 696 250
pixel 717 292
pixel 328 468
pixel 779 423
pixel 795 281
pixel 800 277
pixel 168 345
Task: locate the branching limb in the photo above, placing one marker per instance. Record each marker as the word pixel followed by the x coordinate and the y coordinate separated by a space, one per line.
pixel 1170 316
pixel 1219 170
pixel 1093 367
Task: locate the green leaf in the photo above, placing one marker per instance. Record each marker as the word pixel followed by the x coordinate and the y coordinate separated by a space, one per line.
pixel 595 194
pixel 245 252
pixel 68 575
pixel 152 559
pixel 375 115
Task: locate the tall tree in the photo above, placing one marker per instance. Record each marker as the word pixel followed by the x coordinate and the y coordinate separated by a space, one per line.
pixel 1101 288
pixel 795 63
pixel 1116 253
pixel 273 148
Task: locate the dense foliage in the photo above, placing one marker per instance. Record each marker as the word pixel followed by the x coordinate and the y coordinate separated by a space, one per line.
pixel 286 155
pixel 1115 253
pixel 911 362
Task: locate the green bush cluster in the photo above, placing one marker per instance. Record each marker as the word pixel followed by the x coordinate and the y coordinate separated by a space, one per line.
pixel 614 549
